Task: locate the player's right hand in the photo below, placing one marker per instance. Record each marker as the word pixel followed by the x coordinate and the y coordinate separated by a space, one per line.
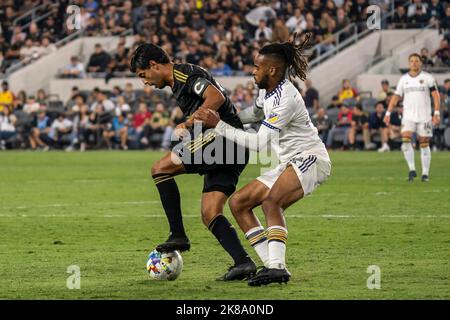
pixel 181 130
pixel 387 120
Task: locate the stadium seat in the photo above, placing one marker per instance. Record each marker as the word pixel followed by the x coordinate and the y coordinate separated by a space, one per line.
pixel 333 115
pixel 55 106
pixel 368 103
pixel 351 102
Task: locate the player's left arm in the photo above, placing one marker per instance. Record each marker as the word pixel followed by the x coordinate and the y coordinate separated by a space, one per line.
pixel 212 96
pixel 436 101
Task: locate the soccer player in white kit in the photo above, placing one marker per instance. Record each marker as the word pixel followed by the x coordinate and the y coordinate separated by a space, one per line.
pixel 415 88
pixel 304 160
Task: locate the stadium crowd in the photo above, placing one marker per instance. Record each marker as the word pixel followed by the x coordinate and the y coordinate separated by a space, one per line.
pixel 222 37
pixel 219 35
pixel 126 118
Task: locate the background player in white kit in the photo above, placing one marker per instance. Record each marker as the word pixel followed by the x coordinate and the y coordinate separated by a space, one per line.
pixel 415 87
pixel 304 161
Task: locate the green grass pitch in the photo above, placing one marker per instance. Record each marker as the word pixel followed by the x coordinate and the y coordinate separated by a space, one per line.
pixel 101 212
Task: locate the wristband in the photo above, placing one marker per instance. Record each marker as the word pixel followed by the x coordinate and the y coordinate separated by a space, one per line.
pixel 388 113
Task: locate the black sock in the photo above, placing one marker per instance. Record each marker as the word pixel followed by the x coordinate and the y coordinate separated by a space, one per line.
pixel 228 238
pixel 170 199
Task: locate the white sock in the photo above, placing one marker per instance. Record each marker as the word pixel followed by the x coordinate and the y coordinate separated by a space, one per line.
pixel 258 239
pixel 277 237
pixel 408 152
pixel 425 155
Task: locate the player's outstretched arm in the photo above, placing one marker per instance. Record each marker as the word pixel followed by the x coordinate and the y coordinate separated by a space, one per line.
pixel 251 115
pixel 254 141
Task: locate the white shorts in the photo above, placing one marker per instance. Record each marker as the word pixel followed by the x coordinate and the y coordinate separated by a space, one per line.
pixel 423 128
pixel 311 171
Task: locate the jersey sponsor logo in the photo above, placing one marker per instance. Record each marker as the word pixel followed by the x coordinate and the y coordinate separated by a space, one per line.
pixel 414 89
pixel 272 118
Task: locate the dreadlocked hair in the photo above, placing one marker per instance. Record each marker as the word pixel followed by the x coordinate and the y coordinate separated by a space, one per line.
pixel 292 54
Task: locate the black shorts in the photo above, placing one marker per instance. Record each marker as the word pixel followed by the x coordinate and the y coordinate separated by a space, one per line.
pixel 220 160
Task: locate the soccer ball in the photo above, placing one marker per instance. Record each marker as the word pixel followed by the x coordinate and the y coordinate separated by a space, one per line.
pixel 164 266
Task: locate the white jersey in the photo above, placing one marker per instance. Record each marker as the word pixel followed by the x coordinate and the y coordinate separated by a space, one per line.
pixel 416 96
pixel 286 113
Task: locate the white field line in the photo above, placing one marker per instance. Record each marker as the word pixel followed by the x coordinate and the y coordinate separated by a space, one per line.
pixel 64 205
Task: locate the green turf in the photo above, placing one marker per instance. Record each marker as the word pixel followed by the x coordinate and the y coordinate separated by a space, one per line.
pixel 101 211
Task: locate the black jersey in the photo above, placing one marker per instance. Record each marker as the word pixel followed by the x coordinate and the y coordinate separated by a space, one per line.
pixel 190 81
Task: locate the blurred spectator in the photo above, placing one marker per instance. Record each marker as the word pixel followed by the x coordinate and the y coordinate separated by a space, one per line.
pixel 327 37
pixel 140 119
pixel 426 60
pixel 60 130
pixel 31 106
pixel 280 32
pixel 129 94
pixel 395 123
pixel 359 124
pixel 445 102
pixel 121 106
pixel 41 97
pixel 377 126
pixel 263 32
pixel 119 63
pixel 101 100
pixel 156 125
pixel 40 128
pixel 342 126
pixel 118 132
pixel 416 6
pixel 347 91
pixel 74 70
pixel 177 117
pixel 99 60
pixel 322 123
pixel 116 92
pixel 6 97
pixel 75 91
pixel 445 22
pixel 400 19
pixel 80 102
pixel 297 22
pixel 420 17
pixel 442 54
pixel 335 103
pixel 34 33
pixel 342 22
pixel 29 52
pixel 385 90
pixel 311 96
pixel 91 126
pixel 20 100
pixel 19 35
pixel 7 127
pixel 46 47
pixel 436 10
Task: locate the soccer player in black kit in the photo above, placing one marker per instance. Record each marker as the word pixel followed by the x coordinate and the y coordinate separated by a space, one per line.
pixel 194 88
